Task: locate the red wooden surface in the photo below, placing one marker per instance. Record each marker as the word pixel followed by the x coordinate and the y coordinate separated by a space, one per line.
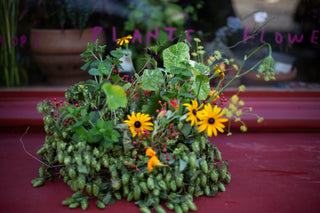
pixel 271 172
pixel 275 168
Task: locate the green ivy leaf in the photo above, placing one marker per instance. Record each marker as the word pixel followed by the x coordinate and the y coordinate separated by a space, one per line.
pixel 152 79
pixel 175 54
pixel 116 96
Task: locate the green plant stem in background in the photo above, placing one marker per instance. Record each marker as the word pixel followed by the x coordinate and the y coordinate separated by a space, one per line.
pixel 238 75
pixel 8 28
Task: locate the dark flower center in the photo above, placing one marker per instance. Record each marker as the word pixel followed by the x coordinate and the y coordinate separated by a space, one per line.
pixel 194 112
pixel 137 124
pixel 211 121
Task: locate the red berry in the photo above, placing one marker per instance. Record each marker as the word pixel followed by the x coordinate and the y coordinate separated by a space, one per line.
pixel 168 158
pixel 136 156
pixel 79 114
pixel 159 102
pixel 137 169
pixel 157 111
pixel 166 163
pixel 127 164
pixel 164 150
pixel 164 144
pixel 166 138
pixel 172 156
pixel 141 142
pixel 145 147
pixel 76 105
pixel 133 166
pixel 134 143
pixel 55 99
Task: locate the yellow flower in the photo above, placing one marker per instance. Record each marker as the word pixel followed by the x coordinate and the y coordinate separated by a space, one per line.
pixel 193 110
pixel 212 94
pixel 210 120
pixel 139 123
pixel 220 70
pixel 124 40
pixel 153 161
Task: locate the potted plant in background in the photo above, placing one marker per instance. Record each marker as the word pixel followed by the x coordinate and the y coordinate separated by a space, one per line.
pixel 60 35
pixel 11 69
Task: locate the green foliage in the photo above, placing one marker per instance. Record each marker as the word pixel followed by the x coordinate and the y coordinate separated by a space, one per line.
pixel 99 137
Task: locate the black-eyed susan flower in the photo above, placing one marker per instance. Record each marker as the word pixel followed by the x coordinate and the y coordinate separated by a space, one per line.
pixel 153 161
pixel 139 123
pixel 210 120
pixel 124 40
pixel 219 69
pixel 212 94
pixel 193 111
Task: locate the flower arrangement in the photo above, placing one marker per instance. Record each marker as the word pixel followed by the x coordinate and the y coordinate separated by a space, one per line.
pixel 142 137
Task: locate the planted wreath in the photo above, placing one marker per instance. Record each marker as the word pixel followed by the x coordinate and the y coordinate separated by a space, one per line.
pixel 142 137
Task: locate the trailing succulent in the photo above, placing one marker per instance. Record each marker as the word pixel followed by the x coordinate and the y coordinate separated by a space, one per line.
pixel 140 137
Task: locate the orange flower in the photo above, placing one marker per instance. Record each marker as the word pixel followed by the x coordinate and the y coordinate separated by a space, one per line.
pixel 153 161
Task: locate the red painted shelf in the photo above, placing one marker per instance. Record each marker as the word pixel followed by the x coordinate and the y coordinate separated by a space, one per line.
pixel 282 110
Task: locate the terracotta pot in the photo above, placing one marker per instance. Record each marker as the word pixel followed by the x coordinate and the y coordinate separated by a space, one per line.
pixel 57 53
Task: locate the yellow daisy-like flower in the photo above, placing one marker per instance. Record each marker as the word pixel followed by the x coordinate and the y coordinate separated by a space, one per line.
pixel 153 161
pixel 124 40
pixel 220 70
pixel 213 93
pixel 193 110
pixel 210 120
pixel 139 123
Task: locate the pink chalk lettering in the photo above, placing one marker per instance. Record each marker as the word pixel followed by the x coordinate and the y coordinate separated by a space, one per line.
pixel 170 30
pixel 15 41
pixel 188 33
pixel 96 31
pixel 136 34
pixel 278 37
pixel 245 34
pixel 23 40
pixel 313 36
pixel 37 41
pixel 1 40
pixel 155 35
pixel 261 37
pixel 295 38
pixel 114 34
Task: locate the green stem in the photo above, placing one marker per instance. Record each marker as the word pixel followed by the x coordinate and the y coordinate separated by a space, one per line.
pixel 130 58
pixel 241 66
